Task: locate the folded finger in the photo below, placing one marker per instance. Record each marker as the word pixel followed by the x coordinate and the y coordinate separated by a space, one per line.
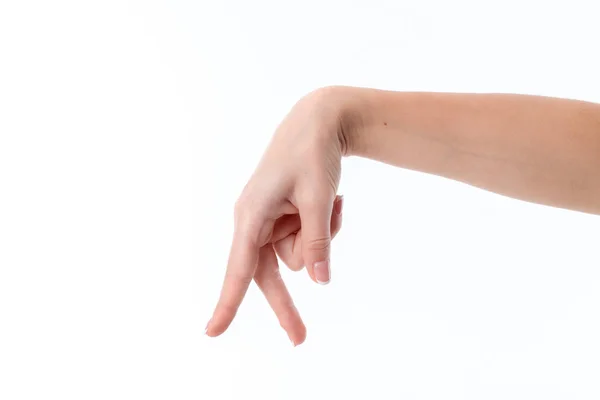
pixel 289 250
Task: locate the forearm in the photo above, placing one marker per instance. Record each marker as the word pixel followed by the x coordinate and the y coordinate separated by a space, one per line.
pixel 538 149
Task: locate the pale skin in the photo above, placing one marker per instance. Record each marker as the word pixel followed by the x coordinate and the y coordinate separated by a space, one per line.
pixel 538 149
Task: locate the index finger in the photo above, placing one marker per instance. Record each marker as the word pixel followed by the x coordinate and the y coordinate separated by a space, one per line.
pixel 243 259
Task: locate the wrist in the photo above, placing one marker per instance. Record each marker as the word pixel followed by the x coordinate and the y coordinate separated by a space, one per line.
pixel 345 108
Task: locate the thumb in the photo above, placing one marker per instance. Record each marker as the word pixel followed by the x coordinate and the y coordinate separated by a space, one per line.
pixel 315 219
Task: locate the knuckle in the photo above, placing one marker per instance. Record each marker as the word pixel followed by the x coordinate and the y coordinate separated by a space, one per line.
pixel 311 192
pixel 311 202
pixel 315 196
pixel 240 209
pixel 276 276
pixel 269 274
pixel 246 232
pixel 318 244
pixel 238 278
pixel 295 262
pixel 246 221
pixel 297 266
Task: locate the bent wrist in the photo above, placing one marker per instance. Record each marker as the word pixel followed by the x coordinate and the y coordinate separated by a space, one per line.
pixel 346 109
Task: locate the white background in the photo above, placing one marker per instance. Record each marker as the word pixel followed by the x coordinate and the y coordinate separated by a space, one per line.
pixel 128 128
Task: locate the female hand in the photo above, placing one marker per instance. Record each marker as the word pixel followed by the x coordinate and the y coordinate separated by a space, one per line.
pixel 289 208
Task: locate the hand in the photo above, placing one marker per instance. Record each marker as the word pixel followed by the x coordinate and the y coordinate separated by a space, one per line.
pixel 289 208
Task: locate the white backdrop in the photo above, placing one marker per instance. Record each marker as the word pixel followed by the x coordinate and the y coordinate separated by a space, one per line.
pixel 127 129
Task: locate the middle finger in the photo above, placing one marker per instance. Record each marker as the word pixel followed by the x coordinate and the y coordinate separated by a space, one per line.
pixel 268 279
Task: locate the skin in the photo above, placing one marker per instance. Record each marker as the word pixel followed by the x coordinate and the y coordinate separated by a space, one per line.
pixel 538 149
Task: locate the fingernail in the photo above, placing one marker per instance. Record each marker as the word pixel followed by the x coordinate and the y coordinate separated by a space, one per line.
pixel 206 328
pixel 322 272
pixel 338 206
pixel 292 342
